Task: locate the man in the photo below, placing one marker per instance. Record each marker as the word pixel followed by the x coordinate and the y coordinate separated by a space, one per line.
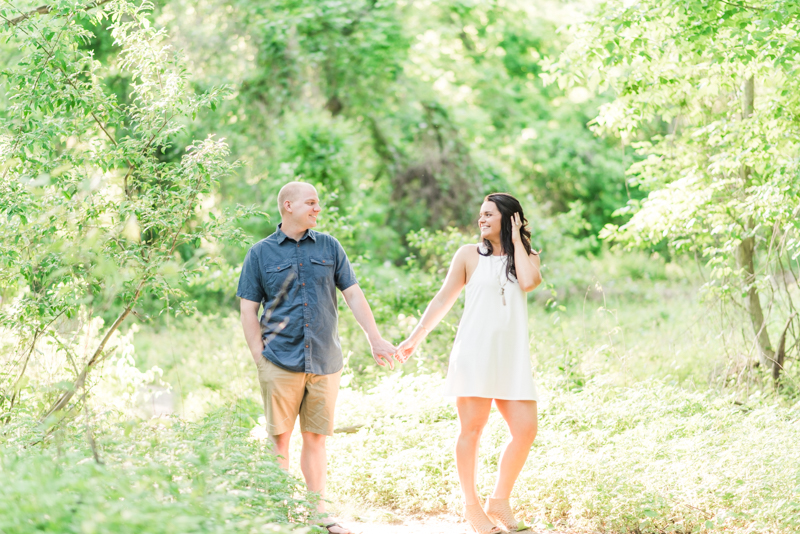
pixel 295 273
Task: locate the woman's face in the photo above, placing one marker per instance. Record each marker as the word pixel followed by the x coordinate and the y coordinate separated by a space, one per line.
pixel 489 221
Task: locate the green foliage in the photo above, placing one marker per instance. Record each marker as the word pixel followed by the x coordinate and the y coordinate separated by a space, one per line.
pixel 93 218
pixel 722 174
pixel 434 104
pixel 163 477
pixel 317 151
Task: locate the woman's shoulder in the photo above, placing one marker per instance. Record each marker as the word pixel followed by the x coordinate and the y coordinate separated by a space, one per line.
pixel 468 251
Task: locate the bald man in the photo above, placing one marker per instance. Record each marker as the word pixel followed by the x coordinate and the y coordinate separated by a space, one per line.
pixel 295 272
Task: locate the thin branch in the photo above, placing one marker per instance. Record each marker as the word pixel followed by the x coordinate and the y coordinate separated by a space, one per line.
pixel 46 9
pixel 743 6
pixel 96 357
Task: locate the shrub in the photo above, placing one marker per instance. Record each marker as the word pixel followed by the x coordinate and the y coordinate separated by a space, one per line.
pixel 162 476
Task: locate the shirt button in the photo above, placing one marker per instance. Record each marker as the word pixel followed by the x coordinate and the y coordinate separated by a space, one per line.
pixel 301 265
pixel 323 261
pixel 305 304
pixel 306 325
pixel 304 283
pixel 306 346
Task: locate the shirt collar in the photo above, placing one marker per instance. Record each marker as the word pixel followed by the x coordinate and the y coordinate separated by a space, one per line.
pixel 283 237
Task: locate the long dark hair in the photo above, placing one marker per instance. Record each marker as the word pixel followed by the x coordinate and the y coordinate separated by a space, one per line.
pixel 507 205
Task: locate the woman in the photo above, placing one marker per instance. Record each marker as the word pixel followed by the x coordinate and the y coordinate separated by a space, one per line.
pixel 490 358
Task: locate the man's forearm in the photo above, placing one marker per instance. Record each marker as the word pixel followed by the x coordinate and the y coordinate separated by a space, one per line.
pixel 252 334
pixel 363 313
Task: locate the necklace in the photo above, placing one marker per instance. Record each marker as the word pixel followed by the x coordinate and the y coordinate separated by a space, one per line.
pixel 502 280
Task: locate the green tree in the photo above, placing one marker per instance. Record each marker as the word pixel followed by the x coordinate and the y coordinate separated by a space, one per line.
pixel 720 79
pixel 93 219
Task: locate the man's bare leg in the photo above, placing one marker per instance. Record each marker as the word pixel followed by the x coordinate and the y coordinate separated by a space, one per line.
pixel 281 442
pixel 314 464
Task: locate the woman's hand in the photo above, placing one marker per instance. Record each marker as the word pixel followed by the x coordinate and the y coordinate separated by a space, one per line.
pixel 405 350
pixel 516 226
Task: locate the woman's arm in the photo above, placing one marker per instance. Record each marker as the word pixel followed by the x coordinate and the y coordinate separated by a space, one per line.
pixel 527 267
pixel 453 284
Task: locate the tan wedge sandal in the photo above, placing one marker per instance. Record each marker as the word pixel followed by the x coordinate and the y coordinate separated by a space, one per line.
pixel 499 511
pixel 477 519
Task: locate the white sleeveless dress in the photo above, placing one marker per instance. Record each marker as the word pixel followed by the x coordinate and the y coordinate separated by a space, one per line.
pixel 490 356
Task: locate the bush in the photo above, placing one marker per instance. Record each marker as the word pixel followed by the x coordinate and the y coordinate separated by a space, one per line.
pixel 165 476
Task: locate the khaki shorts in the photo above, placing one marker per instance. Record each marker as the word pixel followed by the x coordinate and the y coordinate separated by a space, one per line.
pixel 287 394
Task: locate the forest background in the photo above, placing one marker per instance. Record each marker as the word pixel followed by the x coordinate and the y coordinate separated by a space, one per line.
pixel 653 146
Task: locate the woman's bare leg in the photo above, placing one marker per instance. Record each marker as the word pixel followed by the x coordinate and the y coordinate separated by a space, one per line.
pixel 473 412
pixel 521 417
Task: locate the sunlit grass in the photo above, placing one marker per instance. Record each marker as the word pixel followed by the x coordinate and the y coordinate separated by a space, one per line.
pixel 653 457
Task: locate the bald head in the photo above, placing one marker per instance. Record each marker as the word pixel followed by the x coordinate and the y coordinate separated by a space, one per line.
pixel 294 192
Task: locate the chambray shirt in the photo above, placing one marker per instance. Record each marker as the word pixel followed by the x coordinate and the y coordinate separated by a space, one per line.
pixel 314 266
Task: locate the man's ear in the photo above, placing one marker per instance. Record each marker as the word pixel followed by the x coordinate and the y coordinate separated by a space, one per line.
pixel 287 206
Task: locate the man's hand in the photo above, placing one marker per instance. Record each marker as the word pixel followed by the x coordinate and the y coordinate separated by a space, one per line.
pixel 383 351
pixel 257 355
pixel 252 328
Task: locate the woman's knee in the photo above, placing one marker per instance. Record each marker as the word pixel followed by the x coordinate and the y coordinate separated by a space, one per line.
pixel 524 431
pixel 471 431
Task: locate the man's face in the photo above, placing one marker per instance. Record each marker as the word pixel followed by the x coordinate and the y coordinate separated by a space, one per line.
pixel 305 208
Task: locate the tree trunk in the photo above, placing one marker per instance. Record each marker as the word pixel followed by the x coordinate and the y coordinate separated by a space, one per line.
pixel 780 357
pixel 746 254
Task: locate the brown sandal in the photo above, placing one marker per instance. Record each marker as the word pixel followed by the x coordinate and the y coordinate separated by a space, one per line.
pixel 477 519
pixel 328 526
pixel 500 512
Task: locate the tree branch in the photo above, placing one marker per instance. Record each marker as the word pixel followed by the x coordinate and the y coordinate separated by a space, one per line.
pixel 64 399
pixel 46 9
pixel 743 6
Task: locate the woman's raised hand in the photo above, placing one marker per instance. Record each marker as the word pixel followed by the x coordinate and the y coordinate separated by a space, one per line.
pixel 405 350
pixel 516 226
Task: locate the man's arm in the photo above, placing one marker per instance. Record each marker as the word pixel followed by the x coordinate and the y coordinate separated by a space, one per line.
pixel 251 327
pixel 382 350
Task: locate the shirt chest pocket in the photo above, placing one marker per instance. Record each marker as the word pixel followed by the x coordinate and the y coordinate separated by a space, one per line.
pixel 279 277
pixel 322 269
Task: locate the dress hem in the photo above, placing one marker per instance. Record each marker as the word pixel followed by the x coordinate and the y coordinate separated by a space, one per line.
pixel 450 395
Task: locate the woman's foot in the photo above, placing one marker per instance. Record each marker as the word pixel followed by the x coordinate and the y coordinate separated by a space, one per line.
pixel 500 512
pixel 477 519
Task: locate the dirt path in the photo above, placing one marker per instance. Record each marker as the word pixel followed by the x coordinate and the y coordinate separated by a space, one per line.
pixel 409 527
pixel 443 524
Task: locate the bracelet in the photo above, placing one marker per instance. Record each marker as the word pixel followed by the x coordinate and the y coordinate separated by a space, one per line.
pixel 423 327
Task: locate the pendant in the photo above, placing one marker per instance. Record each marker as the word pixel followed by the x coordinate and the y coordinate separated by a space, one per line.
pixel 503 294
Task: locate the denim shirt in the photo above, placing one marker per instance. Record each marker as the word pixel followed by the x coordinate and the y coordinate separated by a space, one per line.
pixel 315 266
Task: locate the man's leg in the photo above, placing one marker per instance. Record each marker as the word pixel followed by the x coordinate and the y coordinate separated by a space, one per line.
pixel 316 424
pixel 281 443
pixel 314 464
pixel 282 392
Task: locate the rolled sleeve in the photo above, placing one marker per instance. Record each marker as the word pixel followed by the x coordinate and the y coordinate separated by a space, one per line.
pixel 344 276
pixel 250 286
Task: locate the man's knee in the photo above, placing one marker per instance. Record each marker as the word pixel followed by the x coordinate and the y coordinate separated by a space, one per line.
pixel 312 439
pixel 281 441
